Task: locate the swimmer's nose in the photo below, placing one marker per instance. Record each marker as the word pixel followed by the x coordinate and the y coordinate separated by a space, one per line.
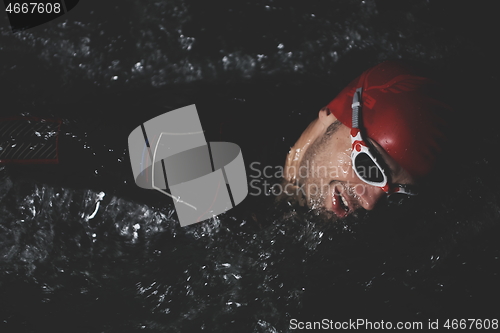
pixel 368 195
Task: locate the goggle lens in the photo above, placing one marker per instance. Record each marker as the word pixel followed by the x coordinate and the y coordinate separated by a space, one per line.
pixel 367 169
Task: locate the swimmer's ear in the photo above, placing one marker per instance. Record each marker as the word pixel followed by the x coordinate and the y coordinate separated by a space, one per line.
pixel 323 111
pixel 326 116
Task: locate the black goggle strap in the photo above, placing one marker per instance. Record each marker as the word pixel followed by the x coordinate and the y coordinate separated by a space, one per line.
pixel 404 189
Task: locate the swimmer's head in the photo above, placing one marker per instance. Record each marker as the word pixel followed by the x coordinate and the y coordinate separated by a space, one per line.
pixel 403 119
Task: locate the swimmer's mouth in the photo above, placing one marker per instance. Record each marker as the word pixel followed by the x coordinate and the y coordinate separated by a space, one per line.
pixel 340 204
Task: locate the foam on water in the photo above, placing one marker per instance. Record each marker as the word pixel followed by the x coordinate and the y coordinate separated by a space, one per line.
pixel 237 271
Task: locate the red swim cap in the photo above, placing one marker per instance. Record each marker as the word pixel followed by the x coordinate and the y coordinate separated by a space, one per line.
pixel 401 111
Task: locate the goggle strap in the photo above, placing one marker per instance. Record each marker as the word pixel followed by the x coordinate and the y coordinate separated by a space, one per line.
pixel 405 189
pixel 355 131
pixel 356 105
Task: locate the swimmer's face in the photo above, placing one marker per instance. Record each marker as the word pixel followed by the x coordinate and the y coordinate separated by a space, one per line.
pixel 320 163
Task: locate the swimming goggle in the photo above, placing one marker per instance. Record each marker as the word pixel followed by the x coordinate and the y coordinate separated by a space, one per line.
pixel 367 163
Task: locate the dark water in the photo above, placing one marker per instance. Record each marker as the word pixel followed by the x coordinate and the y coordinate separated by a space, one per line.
pixel 82 249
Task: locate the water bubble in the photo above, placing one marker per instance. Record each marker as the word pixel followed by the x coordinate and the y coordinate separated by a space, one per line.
pixel 138 67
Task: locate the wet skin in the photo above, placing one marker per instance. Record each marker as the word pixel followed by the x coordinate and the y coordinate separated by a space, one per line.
pixel 320 164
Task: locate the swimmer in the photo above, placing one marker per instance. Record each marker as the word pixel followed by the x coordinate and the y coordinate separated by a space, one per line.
pixel 378 139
